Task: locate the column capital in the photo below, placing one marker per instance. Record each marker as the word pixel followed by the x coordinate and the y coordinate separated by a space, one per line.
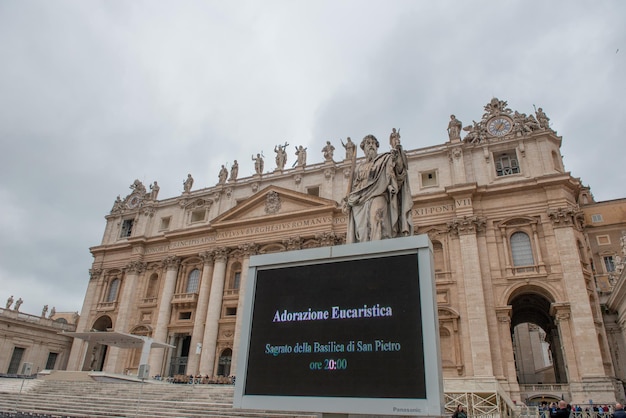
pixel 567 217
pixel 293 243
pixel 95 274
pixel 220 254
pixel 171 262
pixel 136 267
pixel 467 225
pixel 561 311
pixel 206 257
pixel 503 313
pixel 249 249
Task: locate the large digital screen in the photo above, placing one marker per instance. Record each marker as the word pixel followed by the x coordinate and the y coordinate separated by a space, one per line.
pixel 347 324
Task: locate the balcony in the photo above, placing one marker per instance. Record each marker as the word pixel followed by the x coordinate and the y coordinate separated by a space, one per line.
pixel 185 299
pixel 106 306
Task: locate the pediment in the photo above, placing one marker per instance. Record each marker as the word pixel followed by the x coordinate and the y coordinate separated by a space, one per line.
pixel 274 202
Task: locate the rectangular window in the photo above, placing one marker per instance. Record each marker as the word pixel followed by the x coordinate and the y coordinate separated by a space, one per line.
pixel 52 359
pixel 603 239
pixel 198 215
pixel 313 191
pixel 506 163
pixel 16 359
pixel 165 223
pixel 231 311
pixel 596 218
pixel 127 228
pixel 184 316
pixel 429 178
pixel 609 266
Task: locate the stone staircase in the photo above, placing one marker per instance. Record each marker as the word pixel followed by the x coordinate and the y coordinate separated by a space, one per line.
pixel 81 396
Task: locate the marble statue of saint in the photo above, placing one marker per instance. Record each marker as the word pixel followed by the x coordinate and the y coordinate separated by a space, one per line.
pixel 18 303
pixel 544 121
pixel 117 205
pixel 379 202
pixel 154 190
pixel 454 128
pixel 234 171
pixel 53 311
pixel 328 151
pixel 350 149
pixel 301 156
pixel 394 138
pixel 9 302
pixel 44 311
pixel 223 175
pixel 281 156
pixel 188 183
pixel 258 164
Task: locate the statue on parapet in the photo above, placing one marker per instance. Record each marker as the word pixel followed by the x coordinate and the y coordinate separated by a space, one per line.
pixel 328 151
pixel 281 156
pixel 223 175
pixel 53 311
pixel 44 311
pixel 258 163
pixel 350 149
pixel 9 302
pixel 454 128
pixel 234 171
pixel 188 183
pixel 18 303
pixel 154 190
pixel 542 119
pixel 379 199
pixel 394 138
pixel 300 156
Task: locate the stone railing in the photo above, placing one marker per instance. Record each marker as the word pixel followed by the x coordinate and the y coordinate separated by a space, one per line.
pixel 34 319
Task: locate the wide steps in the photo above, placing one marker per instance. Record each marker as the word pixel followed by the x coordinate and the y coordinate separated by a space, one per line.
pixel 102 399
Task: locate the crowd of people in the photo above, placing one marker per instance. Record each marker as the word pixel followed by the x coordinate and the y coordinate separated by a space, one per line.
pixel 198 379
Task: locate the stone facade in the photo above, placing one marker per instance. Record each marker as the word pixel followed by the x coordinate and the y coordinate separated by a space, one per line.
pixel 34 339
pixel 502 213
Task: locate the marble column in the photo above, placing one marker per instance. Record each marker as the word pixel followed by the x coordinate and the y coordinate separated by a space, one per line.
pixel 248 250
pixel 209 343
pixel 197 334
pixel 126 299
pixel 79 347
pixel 562 314
pixel 506 346
pixel 171 265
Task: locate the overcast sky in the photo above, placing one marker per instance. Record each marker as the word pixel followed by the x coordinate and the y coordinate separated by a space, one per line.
pixel 96 94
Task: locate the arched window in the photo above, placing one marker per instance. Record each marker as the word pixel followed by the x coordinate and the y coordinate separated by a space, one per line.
pixel 112 295
pixel 153 283
pixel 192 281
pixel 438 257
pixel 235 280
pixel 521 250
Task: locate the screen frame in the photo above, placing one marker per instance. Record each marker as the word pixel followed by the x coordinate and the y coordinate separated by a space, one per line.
pixel 431 405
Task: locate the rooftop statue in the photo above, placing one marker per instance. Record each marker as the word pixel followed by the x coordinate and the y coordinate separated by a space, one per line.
pixel 223 175
pixel 350 148
pixel 234 171
pixel 301 156
pixel 454 128
pixel 281 156
pixel 258 164
pixel 379 199
pixel 328 151
pixel 188 183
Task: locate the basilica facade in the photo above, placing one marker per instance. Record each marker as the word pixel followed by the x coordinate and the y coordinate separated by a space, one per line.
pixel 507 231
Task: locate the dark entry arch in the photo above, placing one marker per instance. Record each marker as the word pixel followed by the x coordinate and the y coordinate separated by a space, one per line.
pixel 536 342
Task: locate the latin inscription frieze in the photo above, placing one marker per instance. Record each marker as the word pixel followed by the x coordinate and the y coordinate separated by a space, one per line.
pixel 447 208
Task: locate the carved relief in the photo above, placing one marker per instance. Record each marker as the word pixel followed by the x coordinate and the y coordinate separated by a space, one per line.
pixel 249 249
pixel 329 173
pixel 94 274
pixel 220 254
pixel 327 239
pixel 206 257
pixel 272 202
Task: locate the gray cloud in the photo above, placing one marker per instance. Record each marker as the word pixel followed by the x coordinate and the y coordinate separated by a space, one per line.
pixel 96 94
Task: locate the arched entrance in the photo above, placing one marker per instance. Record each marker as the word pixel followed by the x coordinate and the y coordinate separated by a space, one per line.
pixel 223 367
pixel 535 338
pixel 96 352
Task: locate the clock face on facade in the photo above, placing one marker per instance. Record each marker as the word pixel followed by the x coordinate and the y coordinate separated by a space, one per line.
pixel 133 202
pixel 499 126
